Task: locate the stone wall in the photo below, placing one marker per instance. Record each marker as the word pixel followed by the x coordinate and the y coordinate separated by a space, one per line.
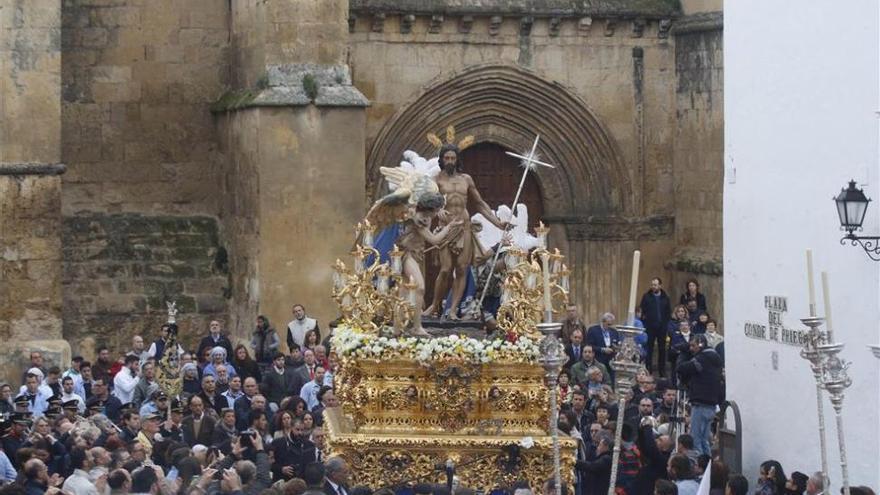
pixel 120 269
pixel 30 81
pixel 698 157
pixel 268 32
pixel 30 257
pixel 139 78
pixel 30 184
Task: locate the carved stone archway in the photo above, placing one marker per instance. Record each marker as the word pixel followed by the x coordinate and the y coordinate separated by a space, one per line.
pixel 508 105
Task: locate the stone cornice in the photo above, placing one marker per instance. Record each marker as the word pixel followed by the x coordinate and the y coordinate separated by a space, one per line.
pixel 654 9
pixel 707 21
pixel 295 85
pixel 615 228
pixel 32 168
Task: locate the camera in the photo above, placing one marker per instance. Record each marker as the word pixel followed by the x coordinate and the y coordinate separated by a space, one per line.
pixel 246 438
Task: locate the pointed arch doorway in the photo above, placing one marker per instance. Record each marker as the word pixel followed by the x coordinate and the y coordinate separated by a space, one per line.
pixel 497 177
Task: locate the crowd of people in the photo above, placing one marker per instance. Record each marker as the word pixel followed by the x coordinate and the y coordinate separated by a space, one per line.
pixel 249 419
pixel 669 420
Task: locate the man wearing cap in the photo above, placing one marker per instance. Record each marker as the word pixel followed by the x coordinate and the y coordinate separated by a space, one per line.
pixel 158 403
pixel 37 396
pixel 13 440
pixel 145 386
pixel 197 427
pixel 71 409
pixel 149 428
pixel 67 394
pixel 126 380
pixel 171 427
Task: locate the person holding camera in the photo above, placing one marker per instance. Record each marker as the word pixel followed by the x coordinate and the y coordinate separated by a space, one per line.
pixel 703 375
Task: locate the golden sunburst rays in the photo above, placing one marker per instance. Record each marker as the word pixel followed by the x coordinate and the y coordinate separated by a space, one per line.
pixel 450 139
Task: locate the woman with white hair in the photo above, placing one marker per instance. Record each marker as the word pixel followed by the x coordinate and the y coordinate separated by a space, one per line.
pixel 218 357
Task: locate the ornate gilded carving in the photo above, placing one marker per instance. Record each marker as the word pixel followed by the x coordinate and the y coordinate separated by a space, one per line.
pixel 400 398
pixel 483 462
pixel 452 397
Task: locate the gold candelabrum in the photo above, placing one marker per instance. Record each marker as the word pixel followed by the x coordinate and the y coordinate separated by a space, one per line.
pixel 168 374
pixel 371 296
pixel 535 287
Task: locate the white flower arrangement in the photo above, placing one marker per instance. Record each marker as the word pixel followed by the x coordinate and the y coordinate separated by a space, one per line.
pixel 350 342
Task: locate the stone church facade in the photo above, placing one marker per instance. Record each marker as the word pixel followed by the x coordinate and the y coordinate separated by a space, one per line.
pixel 219 152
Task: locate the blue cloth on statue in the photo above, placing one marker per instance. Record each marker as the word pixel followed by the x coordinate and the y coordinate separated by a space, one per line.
pixel 384 243
pixel 470 291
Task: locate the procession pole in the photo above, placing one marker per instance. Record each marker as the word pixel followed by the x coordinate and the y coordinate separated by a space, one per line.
pixel 522 183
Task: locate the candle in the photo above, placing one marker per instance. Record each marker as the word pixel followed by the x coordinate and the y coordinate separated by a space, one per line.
pixel 358 261
pixel 541 230
pixel 548 305
pixel 633 287
pixel 368 234
pixel 413 293
pixel 810 284
pixel 563 279
pixel 557 261
pixel 826 295
pixel 396 260
pixel 382 286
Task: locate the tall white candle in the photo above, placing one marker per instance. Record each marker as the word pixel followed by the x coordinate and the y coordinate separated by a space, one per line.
pixel 548 305
pixel 633 288
pixel 811 286
pixel 826 296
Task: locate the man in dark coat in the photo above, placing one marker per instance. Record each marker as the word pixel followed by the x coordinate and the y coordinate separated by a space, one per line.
pixel 656 312
pixel 292 453
pixel 215 338
pixel 654 455
pixel 703 376
pixel 596 474
pixel 280 381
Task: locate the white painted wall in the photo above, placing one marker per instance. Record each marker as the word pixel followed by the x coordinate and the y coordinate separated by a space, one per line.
pixel 801 91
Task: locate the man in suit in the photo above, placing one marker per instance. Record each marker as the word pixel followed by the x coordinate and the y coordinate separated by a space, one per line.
pixel 243 403
pixel 198 427
pixel 336 476
pixel 603 338
pixel 574 348
pixel 279 381
pixel 597 473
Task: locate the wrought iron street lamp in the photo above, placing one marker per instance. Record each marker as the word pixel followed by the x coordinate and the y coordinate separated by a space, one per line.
pixel 852 204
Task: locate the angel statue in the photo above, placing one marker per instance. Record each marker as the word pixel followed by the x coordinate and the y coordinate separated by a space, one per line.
pixel 409 209
pixel 493 239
